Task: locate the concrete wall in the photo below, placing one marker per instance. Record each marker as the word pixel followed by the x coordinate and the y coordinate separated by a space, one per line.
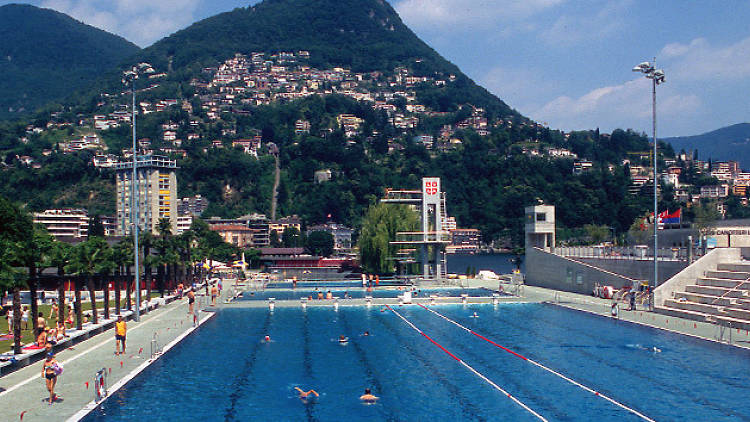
pixel 637 269
pixel 548 270
pixel 690 274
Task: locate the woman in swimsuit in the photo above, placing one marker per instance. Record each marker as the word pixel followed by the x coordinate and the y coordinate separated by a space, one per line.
pixel 49 373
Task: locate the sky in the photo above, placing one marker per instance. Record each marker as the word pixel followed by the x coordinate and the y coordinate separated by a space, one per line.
pixel 565 63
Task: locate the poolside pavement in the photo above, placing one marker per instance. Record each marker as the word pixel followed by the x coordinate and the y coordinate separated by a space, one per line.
pixel 23 395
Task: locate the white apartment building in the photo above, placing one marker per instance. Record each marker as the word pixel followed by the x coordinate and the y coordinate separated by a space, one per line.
pixel 65 224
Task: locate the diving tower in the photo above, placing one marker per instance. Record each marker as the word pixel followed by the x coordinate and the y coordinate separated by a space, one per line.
pixel 431 239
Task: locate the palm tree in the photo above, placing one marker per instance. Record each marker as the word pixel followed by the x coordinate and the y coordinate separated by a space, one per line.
pixel 16 227
pixel 89 258
pixel 59 257
pixel 32 254
pixel 167 255
pixel 147 242
pixel 12 278
pixel 122 256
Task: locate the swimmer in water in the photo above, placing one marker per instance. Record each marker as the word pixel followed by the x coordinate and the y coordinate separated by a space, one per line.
pixel 267 338
pixel 368 397
pixel 366 333
pixel 474 315
pixel 656 349
pixel 343 339
pixel 303 395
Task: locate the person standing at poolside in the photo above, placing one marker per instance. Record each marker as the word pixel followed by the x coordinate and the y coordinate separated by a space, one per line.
pixel 41 323
pixel 49 373
pixel 191 301
pixel 121 329
pixel 53 310
pixel 25 318
pixel 214 292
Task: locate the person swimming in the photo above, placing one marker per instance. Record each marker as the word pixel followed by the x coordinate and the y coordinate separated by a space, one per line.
pixel 267 338
pixel 474 315
pixel 304 395
pixel 366 333
pixel 368 397
pixel 343 339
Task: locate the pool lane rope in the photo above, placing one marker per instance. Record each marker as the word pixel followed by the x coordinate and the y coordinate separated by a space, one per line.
pixel 552 371
pixel 467 366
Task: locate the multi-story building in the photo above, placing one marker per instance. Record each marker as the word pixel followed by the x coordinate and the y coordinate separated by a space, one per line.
pixel 238 235
pixel 342 235
pixel 257 223
pixel 184 222
pixel 156 192
pixel 110 225
pixel 465 240
pixel 283 223
pixel 65 224
pixel 194 205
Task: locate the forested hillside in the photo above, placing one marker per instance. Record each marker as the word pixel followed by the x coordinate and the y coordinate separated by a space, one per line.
pixel 47 55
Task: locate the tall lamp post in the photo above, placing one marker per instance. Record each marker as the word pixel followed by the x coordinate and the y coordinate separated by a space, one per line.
pixel 657 77
pixel 129 77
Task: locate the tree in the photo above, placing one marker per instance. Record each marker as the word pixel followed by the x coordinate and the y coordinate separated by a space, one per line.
pixel 15 228
pixel 641 230
pixel 705 215
pixel 292 238
pixel 596 233
pixel 58 257
pixel 91 257
pixel 379 227
pixel 319 243
pixel 33 252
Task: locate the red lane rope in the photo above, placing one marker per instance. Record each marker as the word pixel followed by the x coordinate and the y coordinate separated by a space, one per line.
pixel 552 371
pixel 467 366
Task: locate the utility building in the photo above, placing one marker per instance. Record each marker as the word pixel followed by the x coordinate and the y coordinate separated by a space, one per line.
pixel 156 193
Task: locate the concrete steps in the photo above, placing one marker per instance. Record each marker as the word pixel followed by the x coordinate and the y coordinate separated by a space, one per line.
pixel 723 282
pixel 721 295
pixel 717 291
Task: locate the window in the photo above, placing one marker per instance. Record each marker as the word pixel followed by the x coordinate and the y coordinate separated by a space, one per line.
pixel 579 278
pixel 541 216
pixel 569 276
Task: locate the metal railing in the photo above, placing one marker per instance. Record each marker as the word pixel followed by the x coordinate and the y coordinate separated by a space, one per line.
pixel 420 237
pixel 100 385
pixel 624 253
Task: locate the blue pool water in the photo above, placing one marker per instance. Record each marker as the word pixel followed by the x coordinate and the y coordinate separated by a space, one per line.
pixel 215 376
pixel 359 293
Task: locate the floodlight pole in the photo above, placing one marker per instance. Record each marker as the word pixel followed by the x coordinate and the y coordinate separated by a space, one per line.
pixel 657 77
pixel 134 196
pixel 656 195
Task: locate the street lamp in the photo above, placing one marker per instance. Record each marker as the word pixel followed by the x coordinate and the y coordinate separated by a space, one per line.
pixel 129 77
pixel 657 77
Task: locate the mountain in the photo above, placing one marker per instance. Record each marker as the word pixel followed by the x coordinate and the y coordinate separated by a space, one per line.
pixel 47 55
pixel 342 88
pixel 727 143
pixel 363 35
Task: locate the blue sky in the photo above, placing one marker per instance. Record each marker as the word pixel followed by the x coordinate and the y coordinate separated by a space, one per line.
pixel 566 63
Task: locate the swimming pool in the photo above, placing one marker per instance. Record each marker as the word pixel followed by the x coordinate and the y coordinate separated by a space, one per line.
pixel 359 293
pixel 214 375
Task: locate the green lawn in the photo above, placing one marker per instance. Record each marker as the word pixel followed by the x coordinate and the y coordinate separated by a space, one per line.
pixel 27 335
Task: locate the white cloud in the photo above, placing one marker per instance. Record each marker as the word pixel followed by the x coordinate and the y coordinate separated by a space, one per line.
pixel 430 13
pixel 626 106
pixel 140 21
pixel 572 29
pixel 699 60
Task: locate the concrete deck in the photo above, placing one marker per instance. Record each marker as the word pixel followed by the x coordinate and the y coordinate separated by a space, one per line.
pixel 24 392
